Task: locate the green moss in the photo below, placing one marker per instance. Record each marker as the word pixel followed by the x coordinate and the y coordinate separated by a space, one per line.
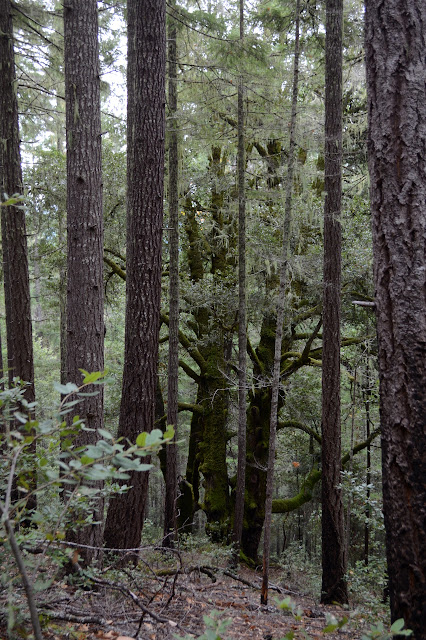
pixel 285 505
pixel 248 561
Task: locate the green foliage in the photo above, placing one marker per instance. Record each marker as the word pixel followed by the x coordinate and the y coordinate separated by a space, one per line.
pixel 288 604
pixel 109 459
pixel 380 633
pixel 332 623
pixel 215 628
pixel 45 449
pixel 14 200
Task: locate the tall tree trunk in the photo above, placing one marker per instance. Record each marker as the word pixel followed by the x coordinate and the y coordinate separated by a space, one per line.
pixel 208 437
pixel 145 176
pixel 62 303
pixel 14 236
pixel 60 148
pixel 351 468
pixel 333 535
pixel 20 362
pixel 85 299
pixel 366 396
pixel 396 71
pixel 280 316
pixel 170 521
pixel 242 314
pixel 2 372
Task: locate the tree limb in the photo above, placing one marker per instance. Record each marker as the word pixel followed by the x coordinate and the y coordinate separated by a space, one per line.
pixel 294 424
pixel 285 505
pixel 189 371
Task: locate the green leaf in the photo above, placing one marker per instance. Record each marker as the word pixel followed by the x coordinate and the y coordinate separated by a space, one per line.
pixel 106 447
pixel 105 434
pixel 286 604
pixel 155 437
pixel 141 439
pixel 397 625
pixel 398 628
pixel 330 628
pixel 144 467
pixel 65 389
pixel 21 417
pixel 93 451
pixel 12 200
pixel 37 517
pixel 169 433
pixel 41 585
pixel 100 473
pixel 71 403
pixel 90 378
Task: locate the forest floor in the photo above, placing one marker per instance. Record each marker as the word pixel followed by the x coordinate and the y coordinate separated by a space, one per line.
pixel 178 595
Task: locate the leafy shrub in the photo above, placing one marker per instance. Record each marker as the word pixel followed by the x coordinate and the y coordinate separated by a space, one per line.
pixel 34 465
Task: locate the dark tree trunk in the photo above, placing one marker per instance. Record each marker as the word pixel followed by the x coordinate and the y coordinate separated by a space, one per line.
pixel 170 520
pixel 208 438
pixel 275 387
pixel 19 342
pixel 14 238
pixel 145 176
pixel 2 372
pixel 396 70
pixel 242 316
pixel 85 299
pixel 366 396
pixel 333 536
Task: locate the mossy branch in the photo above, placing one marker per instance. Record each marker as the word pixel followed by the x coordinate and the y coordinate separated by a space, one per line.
pixel 294 424
pixel 360 296
pixel 308 345
pixel 253 355
pixel 359 447
pixel 182 406
pixel 305 357
pixel 346 342
pixel 285 505
pixel 189 371
pixel 313 311
pixel 186 344
pixel 188 406
pixel 116 254
pixel 115 268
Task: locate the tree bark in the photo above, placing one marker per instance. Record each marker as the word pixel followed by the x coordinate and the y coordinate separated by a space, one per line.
pixel 396 71
pixel 145 176
pixel 14 236
pixel 242 315
pixel 20 361
pixel 170 515
pixel 280 315
pixel 85 298
pixel 333 537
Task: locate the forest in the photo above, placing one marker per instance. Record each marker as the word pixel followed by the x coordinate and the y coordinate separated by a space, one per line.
pixel 213 319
